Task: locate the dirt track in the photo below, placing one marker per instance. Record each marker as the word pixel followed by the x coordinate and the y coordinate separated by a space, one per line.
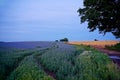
pixel 100 46
pixel 111 53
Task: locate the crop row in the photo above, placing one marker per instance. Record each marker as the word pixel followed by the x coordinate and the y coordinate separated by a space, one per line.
pixel 10 58
pixel 67 62
pixel 28 69
pixel 84 63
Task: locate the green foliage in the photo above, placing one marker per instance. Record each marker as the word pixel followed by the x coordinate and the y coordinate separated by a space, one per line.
pixel 53 58
pixel 9 59
pixel 38 46
pixel 2 71
pixel 28 70
pixel 96 66
pixel 103 15
pixel 58 60
pixel 66 71
pixel 65 61
pixel 64 40
pixel 115 47
pixel 85 63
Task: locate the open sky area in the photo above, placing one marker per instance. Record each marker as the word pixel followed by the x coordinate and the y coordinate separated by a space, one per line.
pixel 44 20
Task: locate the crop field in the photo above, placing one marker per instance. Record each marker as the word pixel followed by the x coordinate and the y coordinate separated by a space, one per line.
pixel 96 43
pixel 54 61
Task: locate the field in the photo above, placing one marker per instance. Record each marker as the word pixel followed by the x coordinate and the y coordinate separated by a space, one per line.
pixel 96 43
pixel 54 61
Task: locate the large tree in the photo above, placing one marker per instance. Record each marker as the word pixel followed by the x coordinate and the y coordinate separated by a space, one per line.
pixel 103 15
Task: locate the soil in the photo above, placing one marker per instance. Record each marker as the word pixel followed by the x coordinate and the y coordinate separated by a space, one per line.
pixel 52 74
pixel 110 53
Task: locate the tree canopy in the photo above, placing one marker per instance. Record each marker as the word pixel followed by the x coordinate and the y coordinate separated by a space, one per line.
pixel 103 15
pixel 64 40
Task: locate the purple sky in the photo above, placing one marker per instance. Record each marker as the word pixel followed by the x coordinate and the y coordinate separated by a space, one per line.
pixel 44 20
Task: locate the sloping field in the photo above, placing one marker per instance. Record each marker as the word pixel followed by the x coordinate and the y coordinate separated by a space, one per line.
pixel 57 61
pixel 96 43
pixel 27 44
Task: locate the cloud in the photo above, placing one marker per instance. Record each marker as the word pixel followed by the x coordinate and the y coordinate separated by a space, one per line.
pixel 42 19
pixel 27 10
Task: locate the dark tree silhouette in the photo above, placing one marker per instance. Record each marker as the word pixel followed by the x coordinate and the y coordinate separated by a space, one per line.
pixel 103 15
pixel 95 40
pixel 64 40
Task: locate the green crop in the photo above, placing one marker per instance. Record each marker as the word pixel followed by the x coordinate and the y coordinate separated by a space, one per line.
pixel 28 69
pixel 58 62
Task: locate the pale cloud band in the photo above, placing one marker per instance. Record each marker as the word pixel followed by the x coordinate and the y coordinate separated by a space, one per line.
pixel 40 18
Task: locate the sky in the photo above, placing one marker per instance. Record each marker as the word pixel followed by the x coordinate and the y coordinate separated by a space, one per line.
pixel 44 20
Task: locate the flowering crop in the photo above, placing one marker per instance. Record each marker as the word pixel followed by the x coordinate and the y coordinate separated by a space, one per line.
pixel 66 62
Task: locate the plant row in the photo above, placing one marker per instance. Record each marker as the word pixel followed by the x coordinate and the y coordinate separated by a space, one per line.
pixel 28 69
pixel 80 63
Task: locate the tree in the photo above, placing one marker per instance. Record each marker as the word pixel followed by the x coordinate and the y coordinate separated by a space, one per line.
pixel 56 41
pixel 64 40
pixel 103 15
pixel 95 40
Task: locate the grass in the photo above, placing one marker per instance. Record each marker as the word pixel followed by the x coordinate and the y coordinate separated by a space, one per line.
pixel 115 47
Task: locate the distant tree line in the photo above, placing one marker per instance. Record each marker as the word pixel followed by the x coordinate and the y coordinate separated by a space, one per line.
pixel 62 40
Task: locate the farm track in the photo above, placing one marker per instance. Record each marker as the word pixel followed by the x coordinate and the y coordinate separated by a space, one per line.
pixel 51 74
pixel 110 53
